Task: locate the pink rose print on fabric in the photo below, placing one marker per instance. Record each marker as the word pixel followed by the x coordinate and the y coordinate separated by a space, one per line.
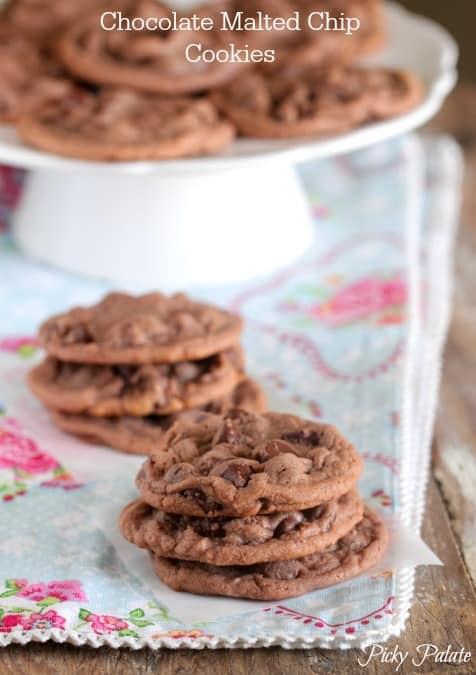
pixel 28 464
pixel 43 621
pixel 361 299
pixel 54 591
pixel 20 452
pixel 372 297
pixel 103 623
pixel 33 621
pixel 9 622
pixel 24 346
pixel 27 606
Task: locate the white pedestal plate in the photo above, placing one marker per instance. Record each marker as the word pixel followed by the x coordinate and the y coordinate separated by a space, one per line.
pixel 207 220
pixel 170 231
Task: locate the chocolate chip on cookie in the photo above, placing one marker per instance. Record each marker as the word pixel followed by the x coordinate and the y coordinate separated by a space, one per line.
pixel 148 60
pixel 137 390
pixel 28 77
pixel 241 541
pixel 354 553
pixel 151 328
pixel 118 124
pixel 142 435
pixel 312 102
pixel 240 471
pixel 327 48
pixel 42 19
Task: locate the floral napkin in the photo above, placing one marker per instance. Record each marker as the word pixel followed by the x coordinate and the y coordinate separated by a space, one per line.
pixel 352 333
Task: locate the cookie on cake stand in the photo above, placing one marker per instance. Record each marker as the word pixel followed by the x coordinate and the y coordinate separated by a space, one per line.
pixel 205 220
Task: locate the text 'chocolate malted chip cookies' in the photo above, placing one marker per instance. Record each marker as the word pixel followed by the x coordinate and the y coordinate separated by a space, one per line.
pixel 241 541
pixel 153 328
pixel 149 60
pixel 123 125
pixel 350 556
pixel 313 102
pixel 317 47
pixel 144 389
pixel 158 57
pixel 240 464
pixel 142 435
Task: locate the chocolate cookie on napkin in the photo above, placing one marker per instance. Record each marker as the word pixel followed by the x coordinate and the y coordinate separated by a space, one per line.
pixel 241 541
pixel 152 328
pixel 139 390
pixel 350 556
pixel 142 435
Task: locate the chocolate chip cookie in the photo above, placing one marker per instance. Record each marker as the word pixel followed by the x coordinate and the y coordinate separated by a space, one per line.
pixel 138 390
pixel 42 19
pixel 325 48
pixel 28 78
pixel 126 329
pixel 314 102
pixel 148 60
pixel 350 556
pixel 241 541
pixel 241 464
pixel 117 124
pixel 141 435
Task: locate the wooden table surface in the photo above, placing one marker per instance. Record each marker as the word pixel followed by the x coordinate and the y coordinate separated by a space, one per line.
pixel 444 607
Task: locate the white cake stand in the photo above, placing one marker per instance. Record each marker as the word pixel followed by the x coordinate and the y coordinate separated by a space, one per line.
pixel 229 217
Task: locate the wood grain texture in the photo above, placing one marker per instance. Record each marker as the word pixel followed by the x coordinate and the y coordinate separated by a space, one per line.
pixel 443 613
pixel 444 608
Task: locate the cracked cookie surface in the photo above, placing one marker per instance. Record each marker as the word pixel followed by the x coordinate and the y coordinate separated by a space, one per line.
pixel 241 541
pixel 325 48
pixel 350 556
pixel 126 329
pixel 311 102
pixel 118 124
pixel 28 77
pixel 241 464
pixel 42 19
pixel 138 390
pixel 141 435
pixel 148 60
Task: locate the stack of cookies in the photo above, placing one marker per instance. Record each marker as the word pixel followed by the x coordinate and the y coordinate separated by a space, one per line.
pixel 253 506
pixel 122 372
pixel 76 88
